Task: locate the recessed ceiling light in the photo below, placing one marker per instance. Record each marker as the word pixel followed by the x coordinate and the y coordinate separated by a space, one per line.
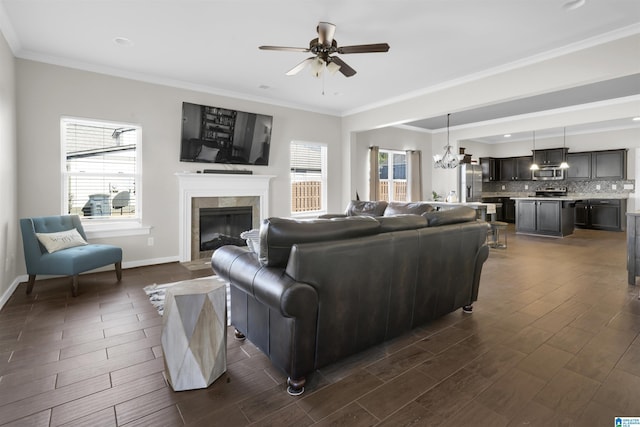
pixel 573 4
pixel 122 41
pixel 507 135
pixel 636 119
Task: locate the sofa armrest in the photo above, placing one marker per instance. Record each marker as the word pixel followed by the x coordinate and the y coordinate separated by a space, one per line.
pixel 271 286
pixel 278 314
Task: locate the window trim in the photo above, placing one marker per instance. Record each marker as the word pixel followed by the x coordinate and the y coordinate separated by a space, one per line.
pixel 108 226
pixel 324 155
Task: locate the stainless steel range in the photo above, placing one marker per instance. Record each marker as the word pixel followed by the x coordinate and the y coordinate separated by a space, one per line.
pixel 551 192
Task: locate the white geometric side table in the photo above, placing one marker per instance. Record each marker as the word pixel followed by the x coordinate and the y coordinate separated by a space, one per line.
pixel 194 333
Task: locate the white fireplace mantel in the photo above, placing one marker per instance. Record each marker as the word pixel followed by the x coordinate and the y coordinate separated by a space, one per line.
pixel 193 185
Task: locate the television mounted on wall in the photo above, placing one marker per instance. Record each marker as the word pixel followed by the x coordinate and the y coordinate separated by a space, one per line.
pixel 220 135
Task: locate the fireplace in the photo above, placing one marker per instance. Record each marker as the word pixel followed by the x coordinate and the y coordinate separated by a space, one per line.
pixel 200 191
pixel 222 226
pixel 216 221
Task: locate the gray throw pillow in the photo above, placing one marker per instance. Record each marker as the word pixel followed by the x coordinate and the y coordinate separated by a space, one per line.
pixel 366 208
pixel 450 216
pixel 416 208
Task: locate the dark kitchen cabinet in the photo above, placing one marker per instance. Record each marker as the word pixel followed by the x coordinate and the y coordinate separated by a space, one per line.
pixel 544 217
pixel 527 216
pixel 609 165
pixel 601 214
pixel 523 168
pixel 582 211
pixel 579 166
pixel 597 165
pixel 505 208
pixel 515 168
pixel 490 169
pixel 507 169
pixel 551 157
pixel 509 209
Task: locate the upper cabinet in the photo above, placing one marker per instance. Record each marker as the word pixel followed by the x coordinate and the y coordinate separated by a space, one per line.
pixel 579 166
pixel 597 165
pixel 551 157
pixel 515 168
pixel 589 165
pixel 610 164
pixel 490 169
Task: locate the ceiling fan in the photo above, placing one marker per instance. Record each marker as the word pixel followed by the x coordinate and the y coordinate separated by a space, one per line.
pixel 323 47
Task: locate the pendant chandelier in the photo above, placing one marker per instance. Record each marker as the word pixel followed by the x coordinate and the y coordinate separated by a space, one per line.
pixel 534 165
pixel 448 160
pixel 564 164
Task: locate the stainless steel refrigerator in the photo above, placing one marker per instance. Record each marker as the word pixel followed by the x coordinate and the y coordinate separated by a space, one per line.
pixel 470 188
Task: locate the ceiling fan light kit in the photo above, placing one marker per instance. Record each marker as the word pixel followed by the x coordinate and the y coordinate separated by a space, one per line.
pixel 323 47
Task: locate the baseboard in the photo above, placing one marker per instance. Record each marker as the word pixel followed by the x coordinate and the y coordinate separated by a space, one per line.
pixel 153 261
pixel 11 289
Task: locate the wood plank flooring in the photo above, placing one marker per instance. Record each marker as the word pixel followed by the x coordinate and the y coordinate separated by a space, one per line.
pixel 553 340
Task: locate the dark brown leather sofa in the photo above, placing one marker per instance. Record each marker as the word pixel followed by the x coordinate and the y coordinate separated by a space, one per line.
pixel 324 289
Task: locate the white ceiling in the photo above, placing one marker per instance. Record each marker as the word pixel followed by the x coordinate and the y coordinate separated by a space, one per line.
pixel 213 45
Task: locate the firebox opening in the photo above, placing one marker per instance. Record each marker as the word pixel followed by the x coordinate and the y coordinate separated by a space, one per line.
pixel 222 226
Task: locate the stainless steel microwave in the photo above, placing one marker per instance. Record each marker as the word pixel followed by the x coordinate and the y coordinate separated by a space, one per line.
pixel 548 173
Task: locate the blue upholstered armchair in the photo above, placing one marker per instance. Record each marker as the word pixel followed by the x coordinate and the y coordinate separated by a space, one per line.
pixel 69 261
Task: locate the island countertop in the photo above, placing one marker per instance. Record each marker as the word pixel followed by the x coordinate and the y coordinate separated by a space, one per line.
pixel 557 198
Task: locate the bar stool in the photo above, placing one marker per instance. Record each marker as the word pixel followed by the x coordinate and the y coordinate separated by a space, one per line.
pixel 497 235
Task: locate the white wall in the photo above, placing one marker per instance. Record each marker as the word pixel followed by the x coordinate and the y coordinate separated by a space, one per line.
pixel 9 250
pixel 47 92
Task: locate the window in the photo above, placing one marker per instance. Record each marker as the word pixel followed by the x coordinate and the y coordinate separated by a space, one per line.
pixel 393 175
pixel 308 177
pixel 101 170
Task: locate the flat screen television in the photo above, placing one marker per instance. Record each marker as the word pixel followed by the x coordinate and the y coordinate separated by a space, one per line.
pixel 221 135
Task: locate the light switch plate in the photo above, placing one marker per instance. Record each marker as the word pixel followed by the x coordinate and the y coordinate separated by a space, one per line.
pixel 614 186
pixel 526 187
pixel 598 187
pixel 503 187
pixel 628 186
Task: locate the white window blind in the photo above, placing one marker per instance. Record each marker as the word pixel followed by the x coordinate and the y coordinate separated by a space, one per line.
pixel 308 177
pixel 100 169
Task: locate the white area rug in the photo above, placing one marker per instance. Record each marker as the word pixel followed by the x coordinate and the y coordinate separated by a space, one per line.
pixel 156 294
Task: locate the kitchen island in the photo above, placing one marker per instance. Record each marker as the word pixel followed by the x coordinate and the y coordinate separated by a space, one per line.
pixel 545 216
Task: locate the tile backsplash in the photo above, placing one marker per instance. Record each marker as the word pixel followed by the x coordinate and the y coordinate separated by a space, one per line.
pixel 579 187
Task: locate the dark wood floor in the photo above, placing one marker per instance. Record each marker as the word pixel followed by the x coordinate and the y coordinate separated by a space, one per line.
pixel 553 340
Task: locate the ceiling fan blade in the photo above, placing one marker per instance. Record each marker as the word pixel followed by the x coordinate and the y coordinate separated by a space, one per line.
pixel 344 68
pixel 284 48
pixel 326 31
pixel 295 70
pixel 364 48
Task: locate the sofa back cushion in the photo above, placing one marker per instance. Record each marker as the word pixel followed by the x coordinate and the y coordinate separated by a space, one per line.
pixel 416 208
pixel 278 235
pixel 401 222
pixel 450 216
pixel 366 208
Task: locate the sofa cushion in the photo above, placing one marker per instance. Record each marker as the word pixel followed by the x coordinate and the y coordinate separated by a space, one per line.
pixel 278 235
pixel 401 222
pixel 366 208
pixel 450 216
pixel 416 208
